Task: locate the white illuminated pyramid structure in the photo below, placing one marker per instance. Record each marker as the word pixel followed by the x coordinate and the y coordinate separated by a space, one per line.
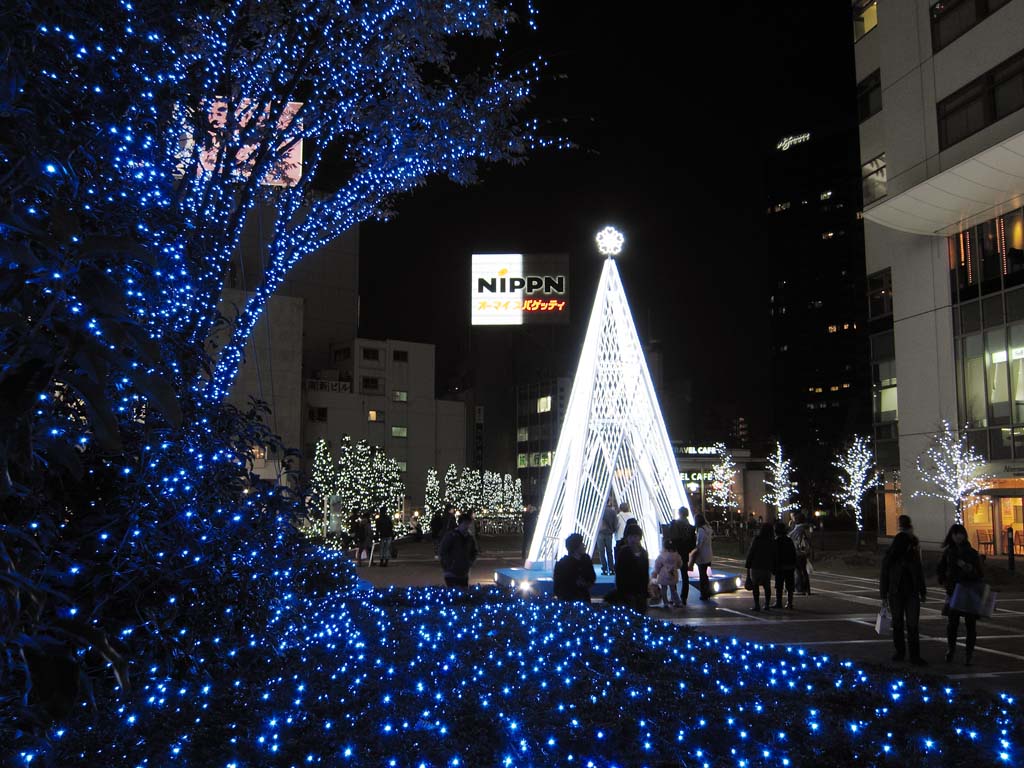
pixel 613 438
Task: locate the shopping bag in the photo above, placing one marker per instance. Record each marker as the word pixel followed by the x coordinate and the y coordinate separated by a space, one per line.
pixel 971 598
pixel 749 583
pixel 883 622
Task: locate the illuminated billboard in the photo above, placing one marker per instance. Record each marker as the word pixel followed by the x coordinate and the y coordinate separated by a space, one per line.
pixel 519 289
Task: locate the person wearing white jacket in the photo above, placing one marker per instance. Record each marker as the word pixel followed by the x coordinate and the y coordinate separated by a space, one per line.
pixel 701 555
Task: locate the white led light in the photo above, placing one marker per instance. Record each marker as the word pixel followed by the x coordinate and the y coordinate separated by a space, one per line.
pixel 613 437
pixel 716 587
pixel 609 241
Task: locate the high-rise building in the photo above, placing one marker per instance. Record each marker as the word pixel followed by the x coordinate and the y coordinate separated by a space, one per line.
pixel 814 236
pixel 941 103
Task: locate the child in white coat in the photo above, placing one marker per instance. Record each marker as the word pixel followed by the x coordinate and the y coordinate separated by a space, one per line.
pixel 666 576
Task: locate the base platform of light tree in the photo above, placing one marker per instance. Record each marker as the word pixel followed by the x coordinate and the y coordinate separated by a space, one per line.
pixel 537 580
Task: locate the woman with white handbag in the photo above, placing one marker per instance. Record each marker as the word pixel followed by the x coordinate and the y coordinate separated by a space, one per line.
pixel 959 571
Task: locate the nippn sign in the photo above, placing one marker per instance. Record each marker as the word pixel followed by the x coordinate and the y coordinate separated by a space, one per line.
pixel 519 289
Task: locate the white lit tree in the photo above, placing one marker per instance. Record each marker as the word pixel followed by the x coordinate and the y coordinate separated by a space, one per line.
pixel 722 493
pixel 491 501
pixel 432 494
pixel 517 496
pixel 857 475
pixel 451 486
pixel 508 490
pixel 780 486
pixel 953 468
pixel 324 485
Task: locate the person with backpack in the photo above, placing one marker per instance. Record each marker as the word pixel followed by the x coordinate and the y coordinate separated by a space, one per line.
pixel 903 589
pixel 605 534
pixel 801 536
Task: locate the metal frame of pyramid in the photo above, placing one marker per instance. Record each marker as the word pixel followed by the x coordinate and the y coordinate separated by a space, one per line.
pixel 613 437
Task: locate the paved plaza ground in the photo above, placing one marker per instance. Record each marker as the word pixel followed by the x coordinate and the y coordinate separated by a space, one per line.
pixel 836 620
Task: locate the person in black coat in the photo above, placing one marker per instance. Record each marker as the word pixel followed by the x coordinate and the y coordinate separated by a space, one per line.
pixel 574 573
pixel 959 564
pixel 760 564
pixel 785 564
pixel 632 569
pixel 685 537
pixel 457 553
pixel 903 589
pixel 386 534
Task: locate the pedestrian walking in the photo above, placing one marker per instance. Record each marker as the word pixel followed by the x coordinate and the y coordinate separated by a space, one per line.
pixel 386 534
pixel 761 562
pixel 959 564
pixel 605 534
pixel 902 588
pixel 666 576
pixel 701 554
pixel 801 536
pixel 457 553
pixel 685 537
pixel 574 572
pixel 785 564
pixel 632 569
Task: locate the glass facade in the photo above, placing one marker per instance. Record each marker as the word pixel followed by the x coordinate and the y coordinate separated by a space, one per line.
pixel 986 265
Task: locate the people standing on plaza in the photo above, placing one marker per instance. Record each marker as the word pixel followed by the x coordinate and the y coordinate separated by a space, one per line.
pixel 959 564
pixel 457 552
pixel 685 537
pixel 761 562
pixel 785 564
pixel 436 529
pixel 666 576
pixel 386 534
pixel 902 588
pixel 700 555
pixel 574 572
pixel 801 536
pixel 632 569
pixel 358 531
pixel 529 526
pixel 366 529
pixel 605 534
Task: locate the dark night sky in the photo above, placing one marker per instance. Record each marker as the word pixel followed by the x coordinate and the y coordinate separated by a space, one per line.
pixel 673 115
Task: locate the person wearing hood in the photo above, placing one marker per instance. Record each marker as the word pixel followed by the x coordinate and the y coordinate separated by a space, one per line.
pixel 959 564
pixel 574 573
pixel 903 589
pixel 632 569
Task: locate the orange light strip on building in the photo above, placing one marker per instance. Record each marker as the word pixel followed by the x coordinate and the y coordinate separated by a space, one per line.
pixel 1001 240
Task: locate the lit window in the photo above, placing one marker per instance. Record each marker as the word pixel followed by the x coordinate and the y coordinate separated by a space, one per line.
pixel 375 416
pixel 399 431
pixel 827 235
pixel 846 326
pixel 522 434
pixel 874 177
pixel 834 388
pixel 544 404
pixel 818 390
pixel 400 396
pixel 846 385
pixel 833 328
pixel 826 194
pixel 522 460
pixel 865 17
pixel 402 466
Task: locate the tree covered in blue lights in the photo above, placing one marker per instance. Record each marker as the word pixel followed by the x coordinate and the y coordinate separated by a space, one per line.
pixel 137 139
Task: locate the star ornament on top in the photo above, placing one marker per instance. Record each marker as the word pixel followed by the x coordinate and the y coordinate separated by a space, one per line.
pixel 609 241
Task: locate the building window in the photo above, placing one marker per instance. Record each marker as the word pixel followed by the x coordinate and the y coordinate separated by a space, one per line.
pixel 544 404
pixel 399 431
pixel 865 17
pixel 951 18
pixel 375 415
pixel 522 460
pixel 979 104
pixel 880 294
pixel 371 382
pixel 522 434
pixel 345 353
pixel 400 356
pixel 873 179
pixel 318 414
pixel 402 466
pixel 371 353
pixel 869 96
pixel 400 396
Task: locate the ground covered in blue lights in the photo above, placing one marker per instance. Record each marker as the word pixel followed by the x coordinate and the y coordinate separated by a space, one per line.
pixel 430 677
